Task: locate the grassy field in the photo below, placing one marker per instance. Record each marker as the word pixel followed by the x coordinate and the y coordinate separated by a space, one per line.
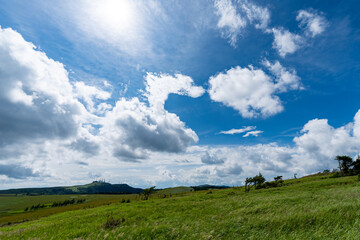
pixel 12 207
pixel 175 190
pixel 316 207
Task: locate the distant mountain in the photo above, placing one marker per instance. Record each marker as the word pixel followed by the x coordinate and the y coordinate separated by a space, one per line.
pixel 95 187
pixel 207 187
pixel 183 189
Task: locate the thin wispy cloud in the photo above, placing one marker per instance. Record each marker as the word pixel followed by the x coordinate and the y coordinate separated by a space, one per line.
pixel 235 16
pixel 253 133
pixel 312 22
pixel 238 131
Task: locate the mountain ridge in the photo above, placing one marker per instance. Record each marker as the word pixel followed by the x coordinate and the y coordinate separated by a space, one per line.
pixel 96 187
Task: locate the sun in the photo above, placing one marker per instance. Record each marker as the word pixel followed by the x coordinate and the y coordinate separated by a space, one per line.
pixel 115 15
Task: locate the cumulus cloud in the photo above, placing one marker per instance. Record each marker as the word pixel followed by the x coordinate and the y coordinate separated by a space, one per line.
pixel 251 91
pixel 85 145
pixel 17 171
pixel 241 162
pixel 89 93
pixel 36 97
pixel 138 129
pixel 211 159
pixel 314 150
pixel 50 109
pixel 286 42
pixel 159 86
pixel 134 128
pixel 234 16
pixel 321 141
pixel 253 133
pixel 312 22
pixel 286 79
pixel 238 131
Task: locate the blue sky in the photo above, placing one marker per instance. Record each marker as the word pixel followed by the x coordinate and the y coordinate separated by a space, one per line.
pixel 172 93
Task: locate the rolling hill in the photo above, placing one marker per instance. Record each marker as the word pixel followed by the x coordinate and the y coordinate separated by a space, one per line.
pixel 95 187
pixel 313 207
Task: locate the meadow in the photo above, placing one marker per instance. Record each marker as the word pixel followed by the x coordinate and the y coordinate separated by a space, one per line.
pixel 314 207
pixel 12 207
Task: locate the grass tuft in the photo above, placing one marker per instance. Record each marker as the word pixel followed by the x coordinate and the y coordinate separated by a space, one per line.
pixel 112 222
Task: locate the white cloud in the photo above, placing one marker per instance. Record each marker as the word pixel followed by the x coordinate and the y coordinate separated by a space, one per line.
pixel 89 93
pixel 39 89
pixel 312 22
pixel 286 42
pixel 51 128
pixel 251 91
pixel 234 16
pixel 230 22
pixel 211 159
pixel 259 16
pixel 253 133
pixel 322 141
pixel 159 86
pixel 134 129
pixel 286 79
pixel 314 150
pixel 237 131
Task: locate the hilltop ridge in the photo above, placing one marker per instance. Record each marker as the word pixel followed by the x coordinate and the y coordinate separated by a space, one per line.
pixel 96 187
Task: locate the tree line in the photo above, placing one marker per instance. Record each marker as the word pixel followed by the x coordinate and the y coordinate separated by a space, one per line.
pixel 55 204
pixel 347 166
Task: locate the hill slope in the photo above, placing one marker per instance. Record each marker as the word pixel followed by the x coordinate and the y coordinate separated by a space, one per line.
pixel 92 188
pixel 316 207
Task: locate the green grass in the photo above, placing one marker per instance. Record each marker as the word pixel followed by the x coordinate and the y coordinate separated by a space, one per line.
pixel 12 207
pixel 315 207
pixel 175 190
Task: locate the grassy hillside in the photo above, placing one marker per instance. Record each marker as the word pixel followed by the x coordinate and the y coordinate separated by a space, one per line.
pixel 316 207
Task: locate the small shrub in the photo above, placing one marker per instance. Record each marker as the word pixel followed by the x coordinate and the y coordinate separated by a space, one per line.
pixel 210 192
pixel 336 175
pixel 112 222
pixel 127 201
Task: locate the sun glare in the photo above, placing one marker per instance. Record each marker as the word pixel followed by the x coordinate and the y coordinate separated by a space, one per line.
pixel 118 15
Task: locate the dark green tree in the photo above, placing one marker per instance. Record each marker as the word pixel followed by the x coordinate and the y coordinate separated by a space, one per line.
pixel 345 163
pixel 148 192
pixel 248 182
pixel 278 178
pixel 258 180
pixel 356 165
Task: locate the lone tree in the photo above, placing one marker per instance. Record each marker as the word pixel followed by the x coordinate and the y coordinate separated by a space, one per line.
pixel 148 192
pixel 258 180
pixel 278 179
pixel 345 163
pixel 248 181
